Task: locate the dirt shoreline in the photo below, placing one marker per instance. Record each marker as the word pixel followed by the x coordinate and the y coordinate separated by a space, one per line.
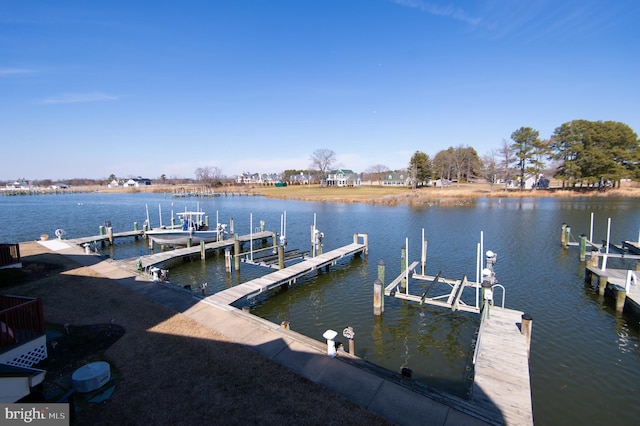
pixel 376 194
pixel 166 368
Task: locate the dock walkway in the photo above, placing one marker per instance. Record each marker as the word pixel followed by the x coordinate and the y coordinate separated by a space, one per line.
pixel 95 238
pixel 501 384
pixel 151 260
pixel 288 275
pixel 501 381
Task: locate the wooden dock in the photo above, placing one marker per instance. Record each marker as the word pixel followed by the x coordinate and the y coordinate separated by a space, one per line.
pixel 501 383
pixel 148 261
pixel 615 280
pixel 288 275
pixel 96 238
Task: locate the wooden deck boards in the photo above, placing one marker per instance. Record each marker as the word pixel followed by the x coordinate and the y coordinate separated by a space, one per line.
pixel 285 276
pixel 158 258
pixel 502 369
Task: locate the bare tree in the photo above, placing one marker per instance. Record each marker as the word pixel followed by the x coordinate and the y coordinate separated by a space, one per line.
pixel 210 176
pixel 490 168
pixel 377 172
pixel 507 159
pixel 322 160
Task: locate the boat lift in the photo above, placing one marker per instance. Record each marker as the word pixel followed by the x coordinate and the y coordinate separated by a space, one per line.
pixel 444 292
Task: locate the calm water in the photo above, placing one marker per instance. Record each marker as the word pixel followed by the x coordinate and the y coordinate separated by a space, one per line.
pixel 585 358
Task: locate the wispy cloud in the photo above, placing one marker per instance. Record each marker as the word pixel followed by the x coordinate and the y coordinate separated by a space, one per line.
pixel 14 71
pixel 74 98
pixel 436 9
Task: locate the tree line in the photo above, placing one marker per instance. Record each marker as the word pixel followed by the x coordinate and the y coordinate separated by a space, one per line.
pixel 581 153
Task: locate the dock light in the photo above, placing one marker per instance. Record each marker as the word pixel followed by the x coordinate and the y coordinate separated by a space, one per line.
pixel 331 345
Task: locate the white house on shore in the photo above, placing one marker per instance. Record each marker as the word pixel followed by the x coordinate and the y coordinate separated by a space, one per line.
pixel 137 182
pixel 341 177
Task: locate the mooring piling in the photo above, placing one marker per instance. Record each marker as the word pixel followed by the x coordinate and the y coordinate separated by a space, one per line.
pixel 378 297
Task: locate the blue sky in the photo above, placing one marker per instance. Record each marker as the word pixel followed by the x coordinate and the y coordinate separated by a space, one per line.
pixel 91 88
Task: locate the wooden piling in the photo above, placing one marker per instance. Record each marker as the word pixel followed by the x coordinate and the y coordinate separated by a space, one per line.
pixel 567 237
pixel 110 235
pixel 525 329
pixel 236 252
pixel 281 257
pixel 135 228
pixel 381 267
pixel 378 297
pixel 583 247
pixel 227 260
pixel 602 284
pixel 621 297
pixel 274 240
pixel 203 251
pixel 231 231
pixel 102 232
pixel 563 236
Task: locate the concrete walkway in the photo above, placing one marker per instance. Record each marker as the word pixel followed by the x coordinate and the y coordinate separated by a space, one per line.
pixel 401 401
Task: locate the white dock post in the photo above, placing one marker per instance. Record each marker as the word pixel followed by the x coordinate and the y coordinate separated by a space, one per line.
pixel 406 266
pixel 331 345
pixel 606 253
pixel 423 258
pixel 227 260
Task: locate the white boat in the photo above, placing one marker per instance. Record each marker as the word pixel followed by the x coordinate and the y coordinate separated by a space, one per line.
pixel 191 232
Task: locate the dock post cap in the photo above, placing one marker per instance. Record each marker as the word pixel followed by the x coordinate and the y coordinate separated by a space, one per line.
pixel 526 316
pixel 330 334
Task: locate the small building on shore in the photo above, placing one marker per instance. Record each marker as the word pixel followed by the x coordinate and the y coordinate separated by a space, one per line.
pixel 137 182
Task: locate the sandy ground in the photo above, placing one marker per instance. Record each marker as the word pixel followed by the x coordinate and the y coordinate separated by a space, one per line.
pixel 166 368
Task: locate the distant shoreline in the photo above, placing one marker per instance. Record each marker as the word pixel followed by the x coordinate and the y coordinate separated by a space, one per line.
pixel 367 193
